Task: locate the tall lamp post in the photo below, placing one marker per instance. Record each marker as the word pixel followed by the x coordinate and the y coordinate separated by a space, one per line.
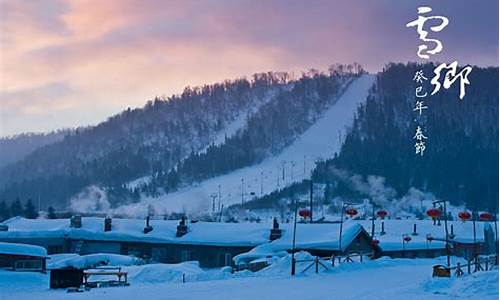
pixel 344 204
pixel 443 202
pixel 294 234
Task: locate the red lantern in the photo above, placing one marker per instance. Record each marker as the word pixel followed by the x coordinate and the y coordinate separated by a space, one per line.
pixel 434 213
pixel 407 238
pixel 375 242
pixel 464 215
pixel 305 213
pixel 382 214
pixel 486 216
pixel 351 212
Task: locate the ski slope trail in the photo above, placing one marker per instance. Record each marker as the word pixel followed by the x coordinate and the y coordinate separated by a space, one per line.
pixel 295 163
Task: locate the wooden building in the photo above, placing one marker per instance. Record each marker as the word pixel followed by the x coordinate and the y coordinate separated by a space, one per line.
pixel 22 257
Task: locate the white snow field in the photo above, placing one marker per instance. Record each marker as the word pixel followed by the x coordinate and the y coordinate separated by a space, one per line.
pixel 320 141
pixel 381 279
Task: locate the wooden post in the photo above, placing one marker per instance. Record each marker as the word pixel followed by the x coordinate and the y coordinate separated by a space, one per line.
pixel 468 266
pixel 316 261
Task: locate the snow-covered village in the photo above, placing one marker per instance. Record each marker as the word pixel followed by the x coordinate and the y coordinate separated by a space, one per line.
pixel 249 149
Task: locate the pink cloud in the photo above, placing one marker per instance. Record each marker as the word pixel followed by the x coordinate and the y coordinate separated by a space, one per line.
pixel 115 54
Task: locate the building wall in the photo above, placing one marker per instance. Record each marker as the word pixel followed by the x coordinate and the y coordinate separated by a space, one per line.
pixel 208 256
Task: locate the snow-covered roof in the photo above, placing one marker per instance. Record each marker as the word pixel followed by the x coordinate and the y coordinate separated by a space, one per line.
pixel 315 236
pixel 75 261
pixel 164 231
pixel 309 236
pixel 395 229
pixel 318 236
pixel 22 249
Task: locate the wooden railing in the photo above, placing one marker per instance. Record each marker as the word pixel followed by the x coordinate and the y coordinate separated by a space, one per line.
pixel 339 259
pixel 472 266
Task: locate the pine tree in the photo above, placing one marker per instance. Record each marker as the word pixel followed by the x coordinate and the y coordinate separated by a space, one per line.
pixel 4 211
pixel 16 208
pixel 30 211
pixel 51 213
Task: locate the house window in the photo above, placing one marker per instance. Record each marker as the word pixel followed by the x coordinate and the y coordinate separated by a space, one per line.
pixel 28 264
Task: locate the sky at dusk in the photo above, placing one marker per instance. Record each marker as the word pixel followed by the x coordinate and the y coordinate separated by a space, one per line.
pixel 72 63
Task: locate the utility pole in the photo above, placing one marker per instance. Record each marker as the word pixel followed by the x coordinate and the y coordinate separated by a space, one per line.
pixel 447 245
pixel 292 163
pixel 278 173
pixel 261 183
pixel 304 165
pixel 344 204
pixel 218 194
pixel 474 214
pixel 283 163
pixel 39 202
pixel 311 185
pixel 294 235
pixel 242 191
pixel 373 219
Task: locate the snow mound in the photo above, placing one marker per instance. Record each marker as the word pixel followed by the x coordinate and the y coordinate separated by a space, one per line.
pixel 157 273
pixel 284 265
pixel 467 287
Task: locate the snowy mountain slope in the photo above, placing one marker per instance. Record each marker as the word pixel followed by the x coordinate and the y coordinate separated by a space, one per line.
pixel 293 164
pixel 238 122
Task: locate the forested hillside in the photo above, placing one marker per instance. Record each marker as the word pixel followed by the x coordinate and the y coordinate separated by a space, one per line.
pixel 15 148
pixel 170 140
pixel 460 163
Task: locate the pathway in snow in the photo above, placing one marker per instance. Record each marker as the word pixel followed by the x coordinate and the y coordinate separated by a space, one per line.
pixel 320 141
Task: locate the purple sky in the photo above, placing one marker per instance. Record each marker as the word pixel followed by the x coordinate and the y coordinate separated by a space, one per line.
pixel 70 63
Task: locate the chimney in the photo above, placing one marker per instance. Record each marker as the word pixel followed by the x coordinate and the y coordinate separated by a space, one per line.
pixel 414 229
pixel 148 228
pixel 275 231
pixel 107 224
pixel 182 227
pixel 382 232
pixel 75 221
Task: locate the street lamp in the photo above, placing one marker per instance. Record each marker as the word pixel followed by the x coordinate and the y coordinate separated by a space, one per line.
pixel 344 204
pixel 447 246
pixel 294 234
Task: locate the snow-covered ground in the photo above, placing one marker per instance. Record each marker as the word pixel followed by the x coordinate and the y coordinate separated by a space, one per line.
pixel 320 141
pixel 381 279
